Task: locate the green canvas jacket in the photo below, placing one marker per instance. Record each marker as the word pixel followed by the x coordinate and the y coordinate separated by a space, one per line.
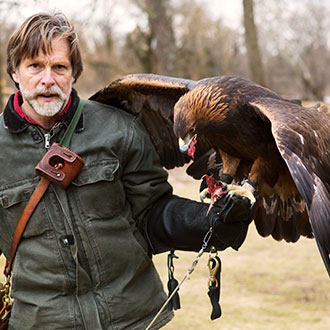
pixel 82 262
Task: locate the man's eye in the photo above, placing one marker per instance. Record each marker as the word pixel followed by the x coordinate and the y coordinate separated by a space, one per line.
pixel 60 67
pixel 34 65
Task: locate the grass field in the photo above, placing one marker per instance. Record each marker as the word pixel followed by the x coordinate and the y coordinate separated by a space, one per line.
pixel 265 285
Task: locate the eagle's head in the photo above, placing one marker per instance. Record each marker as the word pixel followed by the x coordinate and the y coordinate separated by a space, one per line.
pixel 196 113
pixel 185 125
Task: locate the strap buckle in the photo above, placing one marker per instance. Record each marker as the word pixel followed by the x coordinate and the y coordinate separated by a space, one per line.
pixel 213 265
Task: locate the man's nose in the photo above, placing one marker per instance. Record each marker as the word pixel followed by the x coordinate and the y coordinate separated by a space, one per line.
pixel 47 79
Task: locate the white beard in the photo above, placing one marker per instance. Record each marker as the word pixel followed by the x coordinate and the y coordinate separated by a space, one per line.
pixel 46 109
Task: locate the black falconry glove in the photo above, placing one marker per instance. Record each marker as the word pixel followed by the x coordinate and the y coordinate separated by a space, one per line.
pixel 181 224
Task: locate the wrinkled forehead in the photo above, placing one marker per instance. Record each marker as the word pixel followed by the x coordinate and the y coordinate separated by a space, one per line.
pixel 45 47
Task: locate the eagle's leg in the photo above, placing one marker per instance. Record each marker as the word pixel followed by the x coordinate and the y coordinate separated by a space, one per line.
pixel 230 165
pixel 258 168
pixel 249 186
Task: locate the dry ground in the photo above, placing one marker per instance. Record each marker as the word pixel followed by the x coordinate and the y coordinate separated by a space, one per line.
pixel 265 285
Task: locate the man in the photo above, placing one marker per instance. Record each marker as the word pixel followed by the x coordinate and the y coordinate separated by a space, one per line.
pixel 84 259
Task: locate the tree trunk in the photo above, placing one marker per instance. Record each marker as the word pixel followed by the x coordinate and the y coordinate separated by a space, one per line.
pixel 251 42
pixel 162 36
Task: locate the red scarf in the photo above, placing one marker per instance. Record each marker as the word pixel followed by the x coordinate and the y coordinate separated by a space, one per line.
pixel 18 100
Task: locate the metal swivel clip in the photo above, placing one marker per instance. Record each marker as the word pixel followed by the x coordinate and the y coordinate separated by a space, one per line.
pixel 213 265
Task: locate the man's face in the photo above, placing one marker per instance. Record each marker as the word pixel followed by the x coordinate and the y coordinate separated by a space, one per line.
pixel 45 81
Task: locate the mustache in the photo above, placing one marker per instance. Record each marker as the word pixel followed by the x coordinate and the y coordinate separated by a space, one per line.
pixel 42 90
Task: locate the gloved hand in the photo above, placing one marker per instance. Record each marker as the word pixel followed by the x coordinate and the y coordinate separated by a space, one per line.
pixel 233 209
pixel 181 224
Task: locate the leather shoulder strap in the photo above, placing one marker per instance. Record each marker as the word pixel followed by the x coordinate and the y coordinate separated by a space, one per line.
pixel 29 208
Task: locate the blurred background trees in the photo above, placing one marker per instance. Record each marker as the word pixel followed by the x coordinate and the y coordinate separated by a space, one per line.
pixel 282 44
pixel 252 43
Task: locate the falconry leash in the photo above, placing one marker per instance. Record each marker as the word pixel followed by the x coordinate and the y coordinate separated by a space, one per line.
pixel 214 265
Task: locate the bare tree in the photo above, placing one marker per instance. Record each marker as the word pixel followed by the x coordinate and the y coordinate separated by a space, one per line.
pixel 162 34
pixel 298 37
pixel 154 47
pixel 138 53
pixel 252 45
pixel 205 47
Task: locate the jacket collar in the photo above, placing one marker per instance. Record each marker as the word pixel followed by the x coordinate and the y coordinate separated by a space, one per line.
pixel 15 124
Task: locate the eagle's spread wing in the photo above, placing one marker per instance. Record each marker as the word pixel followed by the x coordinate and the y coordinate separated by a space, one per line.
pixel 279 144
pixel 152 97
pixel 303 139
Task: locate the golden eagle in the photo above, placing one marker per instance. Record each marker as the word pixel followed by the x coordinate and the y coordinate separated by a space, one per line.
pixel 274 145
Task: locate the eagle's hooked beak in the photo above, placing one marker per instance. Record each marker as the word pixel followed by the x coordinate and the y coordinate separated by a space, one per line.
pixel 187 145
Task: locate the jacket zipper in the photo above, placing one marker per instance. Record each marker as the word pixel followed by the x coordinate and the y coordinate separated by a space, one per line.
pixel 49 135
pixel 47 140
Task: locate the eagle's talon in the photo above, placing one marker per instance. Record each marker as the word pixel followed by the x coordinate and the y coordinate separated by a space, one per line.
pixel 246 190
pixel 204 194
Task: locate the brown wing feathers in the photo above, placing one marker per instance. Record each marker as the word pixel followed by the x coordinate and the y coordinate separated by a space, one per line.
pixel 160 130
pixel 152 98
pixel 302 137
pixel 280 211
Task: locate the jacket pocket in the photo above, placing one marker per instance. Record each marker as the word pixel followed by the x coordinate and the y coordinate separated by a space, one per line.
pixel 13 199
pixel 98 189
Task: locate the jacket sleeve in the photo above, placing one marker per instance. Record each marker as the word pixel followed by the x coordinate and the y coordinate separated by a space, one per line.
pixel 182 224
pixel 144 179
pixel 168 221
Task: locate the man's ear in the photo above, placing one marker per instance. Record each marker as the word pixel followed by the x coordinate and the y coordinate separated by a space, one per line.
pixel 15 77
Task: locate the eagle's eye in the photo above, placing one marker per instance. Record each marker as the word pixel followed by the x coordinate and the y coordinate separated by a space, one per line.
pixel 192 131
